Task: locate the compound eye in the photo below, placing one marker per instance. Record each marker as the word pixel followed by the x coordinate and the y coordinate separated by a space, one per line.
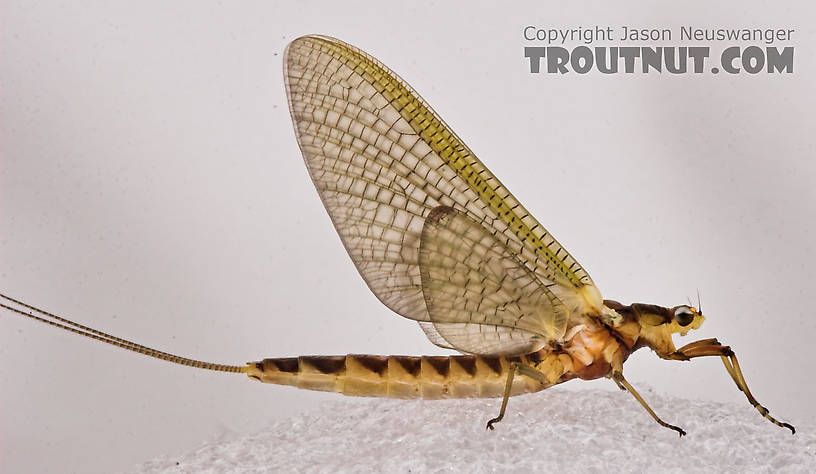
pixel 683 315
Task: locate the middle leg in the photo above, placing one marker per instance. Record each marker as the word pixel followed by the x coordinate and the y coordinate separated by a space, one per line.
pixel 618 378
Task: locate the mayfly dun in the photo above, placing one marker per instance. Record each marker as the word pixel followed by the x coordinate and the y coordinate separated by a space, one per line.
pixel 439 240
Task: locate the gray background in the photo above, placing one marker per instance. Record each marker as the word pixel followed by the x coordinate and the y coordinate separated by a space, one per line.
pixel 151 187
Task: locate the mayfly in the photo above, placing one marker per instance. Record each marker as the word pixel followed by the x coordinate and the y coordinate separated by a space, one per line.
pixel 439 240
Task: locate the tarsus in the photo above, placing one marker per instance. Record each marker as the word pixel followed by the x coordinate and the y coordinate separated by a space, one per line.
pixel 77 328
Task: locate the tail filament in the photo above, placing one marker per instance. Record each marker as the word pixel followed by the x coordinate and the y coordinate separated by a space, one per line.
pixel 76 328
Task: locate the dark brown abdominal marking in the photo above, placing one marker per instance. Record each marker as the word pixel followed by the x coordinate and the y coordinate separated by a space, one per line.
pixel 468 363
pixel 440 364
pixel 376 364
pixel 493 362
pixel 289 364
pixel 327 364
pixel 412 365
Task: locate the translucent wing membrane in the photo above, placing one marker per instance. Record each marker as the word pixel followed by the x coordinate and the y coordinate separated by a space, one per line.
pixel 481 299
pixel 381 160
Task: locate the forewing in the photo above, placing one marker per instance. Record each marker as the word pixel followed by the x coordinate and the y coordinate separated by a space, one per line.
pixel 381 160
pixel 480 297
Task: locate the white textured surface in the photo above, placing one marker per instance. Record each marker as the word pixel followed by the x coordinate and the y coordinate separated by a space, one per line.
pixel 555 431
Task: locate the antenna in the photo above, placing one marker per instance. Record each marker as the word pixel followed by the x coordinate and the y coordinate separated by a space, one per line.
pixel 76 328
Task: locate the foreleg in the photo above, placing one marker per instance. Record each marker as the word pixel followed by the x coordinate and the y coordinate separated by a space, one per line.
pixel 712 347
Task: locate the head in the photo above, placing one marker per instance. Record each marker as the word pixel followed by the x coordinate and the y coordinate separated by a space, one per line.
pixel 657 324
pixel 685 318
pixel 679 319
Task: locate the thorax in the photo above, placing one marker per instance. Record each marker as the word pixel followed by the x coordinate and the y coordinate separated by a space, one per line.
pixel 592 349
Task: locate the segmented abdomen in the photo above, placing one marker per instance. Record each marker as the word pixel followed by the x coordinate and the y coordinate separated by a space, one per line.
pixel 397 376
